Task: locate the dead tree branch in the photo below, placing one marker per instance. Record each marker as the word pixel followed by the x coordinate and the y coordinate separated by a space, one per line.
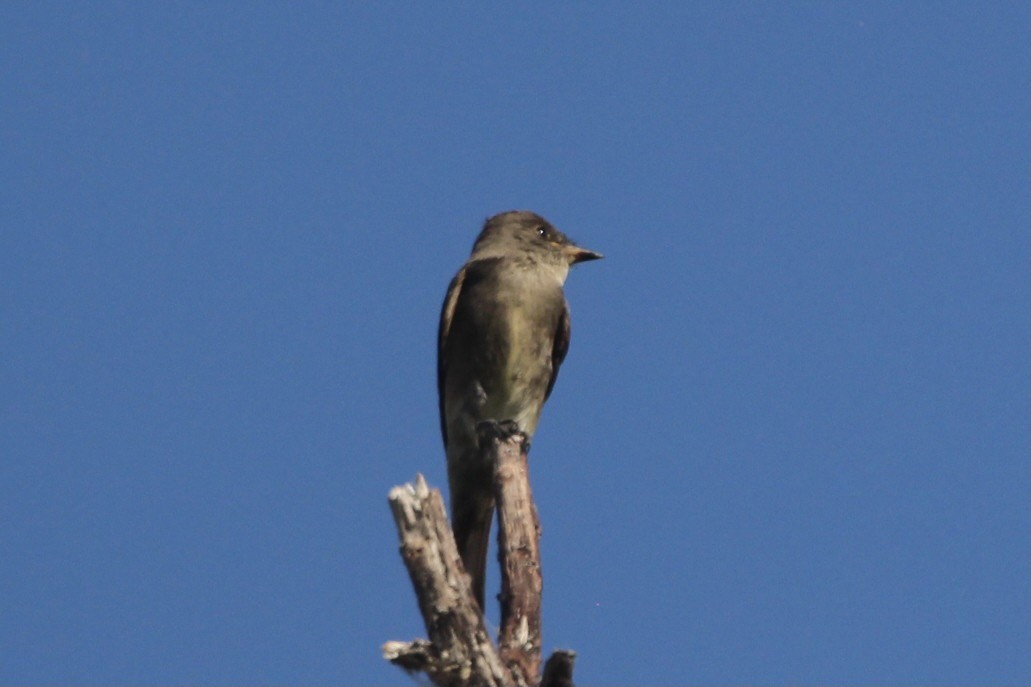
pixel 519 555
pixel 459 652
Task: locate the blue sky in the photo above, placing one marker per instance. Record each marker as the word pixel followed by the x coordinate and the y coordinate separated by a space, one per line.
pixel 789 444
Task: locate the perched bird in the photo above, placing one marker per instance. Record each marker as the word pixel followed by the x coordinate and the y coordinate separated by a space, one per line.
pixel 504 331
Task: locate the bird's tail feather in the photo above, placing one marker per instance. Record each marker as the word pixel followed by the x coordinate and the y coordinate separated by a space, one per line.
pixel 472 534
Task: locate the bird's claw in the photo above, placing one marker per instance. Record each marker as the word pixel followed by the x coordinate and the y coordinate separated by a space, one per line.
pixel 508 428
pixel 503 430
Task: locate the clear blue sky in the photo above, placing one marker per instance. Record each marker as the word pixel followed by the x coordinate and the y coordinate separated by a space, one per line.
pixel 789 444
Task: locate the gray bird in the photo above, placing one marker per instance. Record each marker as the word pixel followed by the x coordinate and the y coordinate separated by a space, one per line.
pixel 504 331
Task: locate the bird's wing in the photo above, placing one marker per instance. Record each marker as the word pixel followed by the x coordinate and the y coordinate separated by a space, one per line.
pixel 559 348
pixel 446 313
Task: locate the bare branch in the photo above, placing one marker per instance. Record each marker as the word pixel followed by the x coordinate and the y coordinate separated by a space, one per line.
pixel 519 554
pixel 460 652
pixel 558 671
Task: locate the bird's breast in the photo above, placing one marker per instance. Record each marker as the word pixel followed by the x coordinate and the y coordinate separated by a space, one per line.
pixel 511 345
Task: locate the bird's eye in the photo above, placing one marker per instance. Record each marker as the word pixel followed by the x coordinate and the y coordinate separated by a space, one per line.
pixel 542 231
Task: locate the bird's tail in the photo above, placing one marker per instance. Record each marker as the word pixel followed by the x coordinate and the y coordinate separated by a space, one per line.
pixel 472 510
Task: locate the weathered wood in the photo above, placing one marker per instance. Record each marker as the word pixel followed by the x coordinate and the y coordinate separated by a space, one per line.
pixel 460 652
pixel 519 555
pixel 558 670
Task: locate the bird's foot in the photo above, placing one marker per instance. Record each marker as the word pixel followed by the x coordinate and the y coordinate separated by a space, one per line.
pixel 501 431
pixel 509 428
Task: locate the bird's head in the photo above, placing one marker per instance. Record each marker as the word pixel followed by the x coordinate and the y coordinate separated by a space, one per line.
pixel 522 232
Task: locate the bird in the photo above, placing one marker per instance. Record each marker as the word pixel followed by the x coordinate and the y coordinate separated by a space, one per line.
pixel 503 334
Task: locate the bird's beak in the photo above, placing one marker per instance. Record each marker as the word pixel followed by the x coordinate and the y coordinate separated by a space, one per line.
pixel 577 254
